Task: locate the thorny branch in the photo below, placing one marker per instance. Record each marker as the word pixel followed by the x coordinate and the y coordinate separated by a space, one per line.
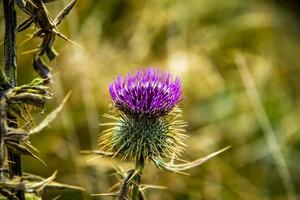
pixel 10 71
pixel 14 141
pixel 123 195
pixel 46 29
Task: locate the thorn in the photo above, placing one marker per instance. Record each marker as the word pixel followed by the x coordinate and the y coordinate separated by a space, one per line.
pixel 30 51
pixel 68 40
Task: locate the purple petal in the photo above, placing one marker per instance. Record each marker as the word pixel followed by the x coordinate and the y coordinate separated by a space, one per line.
pixel 148 92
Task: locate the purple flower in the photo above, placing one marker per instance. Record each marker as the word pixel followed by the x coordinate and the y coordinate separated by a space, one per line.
pixel 148 92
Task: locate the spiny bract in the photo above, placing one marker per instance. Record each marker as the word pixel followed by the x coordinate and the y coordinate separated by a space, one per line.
pixel 146 121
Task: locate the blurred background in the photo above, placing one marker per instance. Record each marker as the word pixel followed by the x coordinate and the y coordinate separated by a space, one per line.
pixel 240 69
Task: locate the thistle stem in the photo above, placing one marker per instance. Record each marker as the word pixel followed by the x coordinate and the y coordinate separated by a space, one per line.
pixel 125 185
pixel 136 195
pixel 133 179
pixel 9 79
pixel 139 166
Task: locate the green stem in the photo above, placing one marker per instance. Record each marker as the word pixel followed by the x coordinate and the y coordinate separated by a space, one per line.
pixel 135 190
pixel 132 180
pixel 124 188
pixel 10 78
pixel 136 195
pixel 10 47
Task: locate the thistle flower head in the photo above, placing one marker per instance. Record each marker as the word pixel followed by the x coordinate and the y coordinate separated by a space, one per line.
pixel 148 92
pixel 146 121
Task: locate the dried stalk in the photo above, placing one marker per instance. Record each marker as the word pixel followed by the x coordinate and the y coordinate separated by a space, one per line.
pixel 10 67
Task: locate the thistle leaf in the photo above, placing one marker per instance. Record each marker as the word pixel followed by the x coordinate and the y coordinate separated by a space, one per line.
pixel 41 68
pixel 51 185
pixel 61 186
pixel 64 13
pixel 21 3
pixel 15 111
pixel 18 148
pixel 7 194
pixel 185 166
pixel 98 152
pixel 51 53
pixel 39 186
pixel 22 150
pixel 55 198
pixel 110 194
pixel 37 81
pixel 14 183
pixel 50 117
pixel 149 186
pixel 16 135
pixel 68 40
pixel 29 196
pixel 30 98
pixel 26 24
pixel 49 1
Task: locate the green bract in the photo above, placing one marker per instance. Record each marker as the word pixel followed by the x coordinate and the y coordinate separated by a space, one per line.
pixel 131 138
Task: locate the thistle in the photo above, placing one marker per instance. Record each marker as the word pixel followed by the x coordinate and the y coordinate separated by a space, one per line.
pixel 146 125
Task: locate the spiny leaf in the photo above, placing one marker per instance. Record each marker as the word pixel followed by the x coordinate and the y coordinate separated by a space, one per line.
pixel 37 89
pixel 13 183
pixel 27 6
pixel 41 68
pixel 26 24
pixel 16 135
pixel 30 51
pixel 51 53
pixel 39 186
pixel 30 98
pixel 31 147
pixel 17 148
pixel 15 111
pixel 49 1
pixel 50 117
pixel 113 187
pixel 61 186
pixel 149 186
pixel 46 45
pixel 188 165
pixel 29 196
pixel 31 36
pixel 8 194
pixel 21 3
pixel 22 150
pixel 64 12
pixel 37 81
pixel 52 184
pixel 68 40
pixel 98 152
pixel 111 194
pixel 55 198
pixel 135 172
